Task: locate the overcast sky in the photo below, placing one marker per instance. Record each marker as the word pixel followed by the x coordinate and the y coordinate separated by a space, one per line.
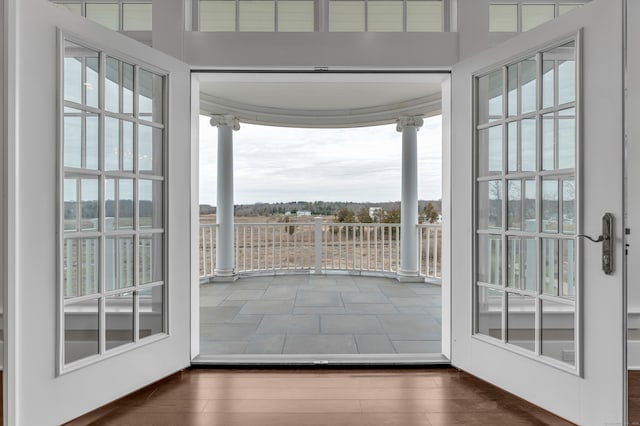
pixel 274 164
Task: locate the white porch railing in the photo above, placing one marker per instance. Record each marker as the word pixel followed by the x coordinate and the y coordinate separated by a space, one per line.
pixel 272 248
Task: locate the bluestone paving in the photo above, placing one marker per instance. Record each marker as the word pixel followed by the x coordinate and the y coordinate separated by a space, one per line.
pixel 306 314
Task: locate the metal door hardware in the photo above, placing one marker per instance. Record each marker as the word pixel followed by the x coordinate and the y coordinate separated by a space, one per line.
pixel 607 242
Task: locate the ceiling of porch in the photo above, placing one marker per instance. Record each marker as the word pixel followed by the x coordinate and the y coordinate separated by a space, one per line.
pixel 321 99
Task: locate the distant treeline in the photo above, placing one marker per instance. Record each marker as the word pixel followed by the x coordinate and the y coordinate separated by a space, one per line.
pixel 320 208
pixel 89 209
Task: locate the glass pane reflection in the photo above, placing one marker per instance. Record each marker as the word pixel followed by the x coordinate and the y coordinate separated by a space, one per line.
pixel 489 321
pixel 558 331
pixel 81 330
pixel 521 321
pixel 151 303
pixel 118 320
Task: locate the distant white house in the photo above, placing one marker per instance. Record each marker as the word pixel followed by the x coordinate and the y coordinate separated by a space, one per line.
pixel 375 212
pixel 303 213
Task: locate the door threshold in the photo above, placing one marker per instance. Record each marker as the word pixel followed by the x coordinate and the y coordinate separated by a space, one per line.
pixel 324 359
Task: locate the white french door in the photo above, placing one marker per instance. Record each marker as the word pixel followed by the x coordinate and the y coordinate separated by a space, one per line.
pixel 102 234
pixel 537 151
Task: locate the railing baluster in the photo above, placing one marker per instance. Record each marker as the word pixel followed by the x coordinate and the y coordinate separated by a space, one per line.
pixel 435 254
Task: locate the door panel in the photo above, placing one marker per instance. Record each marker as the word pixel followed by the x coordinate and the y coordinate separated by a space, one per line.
pixel 589 389
pixel 62 390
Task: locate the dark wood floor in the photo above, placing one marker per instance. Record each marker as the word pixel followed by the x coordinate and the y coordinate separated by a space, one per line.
pixel 634 397
pixel 402 397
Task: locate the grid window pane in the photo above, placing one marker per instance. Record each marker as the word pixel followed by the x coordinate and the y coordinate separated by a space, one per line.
pixel 536 14
pixel 528 143
pixel 119 263
pixel 566 142
pixel 151 308
pixel 119 320
pixel 512 88
pixel 528 85
pixel 490 312
pixel 150 96
pixel 512 147
pixel 111 143
pixel 150 203
pixel 149 150
pixel 346 15
pixel 514 205
pixel 150 259
pixel 70 199
pixel 89 266
pixel 490 97
pixel 521 263
pixel 105 14
pixel 385 15
pixel 90 206
pixel 424 16
pixel 256 15
pixel 295 16
pixel 521 321
pixel 91 79
pixel 92 141
pixel 550 205
pixel 569 206
pixel 503 18
pixel 72 138
pixel 217 15
pixel 490 151
pixel 558 331
pixel 81 330
pixel 490 205
pixel 112 85
pixel 70 268
pixel 137 17
pixel 530 209
pixel 568 288
pixel 490 259
pixel 550 258
pixel 127 146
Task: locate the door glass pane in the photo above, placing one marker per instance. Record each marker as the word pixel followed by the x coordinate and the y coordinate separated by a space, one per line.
pixel 92 141
pixel 137 17
pixel 295 16
pixel 490 312
pixel 512 87
pixel 514 205
pixel 70 204
pixel 90 207
pixel 150 97
pixel 548 82
pixel 150 208
pixel 550 205
pixel 346 15
pixel 550 257
pixel 567 74
pixel 490 259
pixel 514 266
pixel 558 331
pixel 119 263
pixel 127 88
pixel 125 203
pixel 92 79
pixel 72 138
pixel 530 210
pixel 256 15
pixel 110 206
pixel 548 142
pixel 528 79
pixel 150 259
pixel 569 206
pixel 490 151
pixel 528 145
pixel 73 72
pixel 503 18
pixel 536 14
pixel 70 268
pixel 512 146
pixel 112 85
pixel 149 150
pixel 566 142
pixel 89 266
pixel 127 146
pixel 490 97
pixel 568 268
pixel 521 320
pixel 424 16
pixel 151 320
pixel 521 263
pixel 111 143
pixel 385 15
pixel 490 205
pixel 81 330
pixel 105 14
pixel 119 320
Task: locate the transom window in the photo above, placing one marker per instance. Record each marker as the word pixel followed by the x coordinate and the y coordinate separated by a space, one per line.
pixel 117 15
pixel 112 277
pixel 526 201
pixel 515 17
pixel 340 15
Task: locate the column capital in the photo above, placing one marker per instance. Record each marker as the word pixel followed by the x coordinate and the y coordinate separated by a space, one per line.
pixel 225 120
pixel 404 122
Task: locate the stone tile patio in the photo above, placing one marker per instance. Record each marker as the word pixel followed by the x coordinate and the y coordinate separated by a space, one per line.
pixel 308 315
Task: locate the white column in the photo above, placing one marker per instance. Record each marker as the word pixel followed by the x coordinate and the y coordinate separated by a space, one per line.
pixel 408 270
pixel 224 269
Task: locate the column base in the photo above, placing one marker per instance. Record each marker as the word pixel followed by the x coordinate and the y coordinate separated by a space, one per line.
pixel 223 276
pixel 409 277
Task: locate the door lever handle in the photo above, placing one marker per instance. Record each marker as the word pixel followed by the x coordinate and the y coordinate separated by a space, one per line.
pixel 606 238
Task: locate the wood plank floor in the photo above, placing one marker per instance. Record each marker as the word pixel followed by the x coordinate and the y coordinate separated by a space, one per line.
pixel 634 397
pixel 315 397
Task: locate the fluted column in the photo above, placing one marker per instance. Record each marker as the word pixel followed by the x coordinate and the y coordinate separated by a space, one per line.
pixel 224 269
pixel 408 270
